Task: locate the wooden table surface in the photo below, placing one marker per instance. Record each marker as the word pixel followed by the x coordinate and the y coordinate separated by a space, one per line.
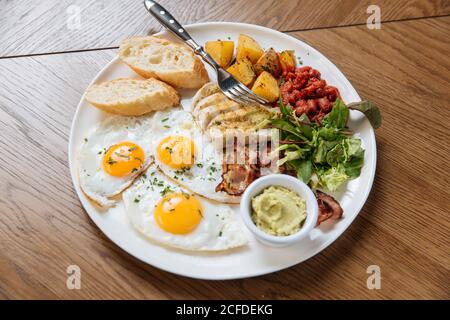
pixel 404 227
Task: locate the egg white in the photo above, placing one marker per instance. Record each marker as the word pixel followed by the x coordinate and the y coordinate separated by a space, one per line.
pixel 206 173
pixel 219 229
pixel 98 185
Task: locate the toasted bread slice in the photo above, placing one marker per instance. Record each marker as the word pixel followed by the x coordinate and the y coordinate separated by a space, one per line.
pixel 170 62
pixel 132 97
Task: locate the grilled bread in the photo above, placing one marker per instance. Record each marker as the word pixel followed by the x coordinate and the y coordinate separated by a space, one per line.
pixel 132 97
pixel 170 62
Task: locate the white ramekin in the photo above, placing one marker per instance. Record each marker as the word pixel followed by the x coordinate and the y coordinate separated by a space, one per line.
pixel 288 182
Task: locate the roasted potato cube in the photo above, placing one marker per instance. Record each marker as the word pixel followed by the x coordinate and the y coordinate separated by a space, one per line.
pixel 221 51
pixel 248 48
pixel 266 86
pixel 287 60
pixel 269 62
pixel 242 70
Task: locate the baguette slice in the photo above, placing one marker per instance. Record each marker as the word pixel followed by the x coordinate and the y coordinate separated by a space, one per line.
pixel 132 97
pixel 159 58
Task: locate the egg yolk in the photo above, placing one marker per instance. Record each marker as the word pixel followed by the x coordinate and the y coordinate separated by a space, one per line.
pixel 177 152
pixel 178 213
pixel 122 159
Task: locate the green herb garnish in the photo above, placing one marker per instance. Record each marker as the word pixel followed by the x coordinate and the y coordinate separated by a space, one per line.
pixel 166 190
pixel 186 195
pixel 122 155
pixel 169 149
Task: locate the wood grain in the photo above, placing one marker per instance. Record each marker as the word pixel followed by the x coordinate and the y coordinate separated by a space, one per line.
pixel 404 226
pixel 33 27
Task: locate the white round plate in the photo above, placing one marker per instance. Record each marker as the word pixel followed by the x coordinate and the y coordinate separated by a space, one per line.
pixel 255 258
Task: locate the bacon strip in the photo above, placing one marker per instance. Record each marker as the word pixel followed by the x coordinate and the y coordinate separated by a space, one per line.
pixel 329 208
pixel 237 177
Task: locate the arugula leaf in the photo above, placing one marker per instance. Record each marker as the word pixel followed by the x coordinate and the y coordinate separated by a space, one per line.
pixel 338 116
pixel 285 125
pixel 303 168
pixel 295 153
pixel 290 137
pixel 371 111
pixel 285 110
pixel 305 128
pixel 303 124
pixel 289 156
pixel 275 152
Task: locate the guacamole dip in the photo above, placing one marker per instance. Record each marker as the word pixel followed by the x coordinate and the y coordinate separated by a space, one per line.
pixel 278 211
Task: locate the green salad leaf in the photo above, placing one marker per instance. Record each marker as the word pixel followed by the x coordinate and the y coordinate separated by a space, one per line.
pixel 338 116
pixel 285 110
pixel 287 127
pixel 332 178
pixel 322 154
pixel 370 111
pixel 353 167
pixel 303 168
pixel 329 133
pixel 352 148
pixel 336 155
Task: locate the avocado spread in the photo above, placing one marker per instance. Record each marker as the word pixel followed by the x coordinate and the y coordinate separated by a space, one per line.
pixel 278 211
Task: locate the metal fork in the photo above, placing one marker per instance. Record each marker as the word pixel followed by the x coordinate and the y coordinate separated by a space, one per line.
pixel 231 87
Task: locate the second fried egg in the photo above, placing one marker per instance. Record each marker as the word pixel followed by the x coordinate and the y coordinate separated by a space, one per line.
pixel 185 155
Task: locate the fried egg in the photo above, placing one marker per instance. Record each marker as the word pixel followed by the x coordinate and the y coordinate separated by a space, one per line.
pixel 187 156
pixel 164 212
pixel 112 156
